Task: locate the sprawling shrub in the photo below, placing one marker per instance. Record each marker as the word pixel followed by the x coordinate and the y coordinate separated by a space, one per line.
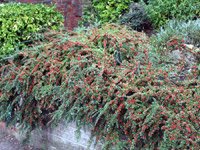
pixel 128 103
pixel 18 23
pixel 160 12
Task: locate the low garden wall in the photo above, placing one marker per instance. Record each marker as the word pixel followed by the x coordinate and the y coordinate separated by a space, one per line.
pixel 61 137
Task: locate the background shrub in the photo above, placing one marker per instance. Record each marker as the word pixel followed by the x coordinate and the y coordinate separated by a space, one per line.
pixel 18 23
pixel 136 18
pixel 128 103
pixel 105 10
pixel 160 12
pixel 188 31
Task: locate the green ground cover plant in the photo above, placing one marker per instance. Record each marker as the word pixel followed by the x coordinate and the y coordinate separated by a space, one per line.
pixel 19 22
pixel 102 78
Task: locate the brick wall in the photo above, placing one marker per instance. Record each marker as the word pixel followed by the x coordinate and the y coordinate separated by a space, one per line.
pixel 71 10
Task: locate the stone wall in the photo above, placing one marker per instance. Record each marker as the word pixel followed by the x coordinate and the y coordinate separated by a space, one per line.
pixel 62 137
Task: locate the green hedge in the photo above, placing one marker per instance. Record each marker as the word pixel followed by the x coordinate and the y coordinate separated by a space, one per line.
pixel 161 11
pixel 19 21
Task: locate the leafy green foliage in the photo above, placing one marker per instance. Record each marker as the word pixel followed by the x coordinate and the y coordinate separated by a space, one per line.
pixel 160 12
pixel 129 103
pixel 105 10
pixel 18 23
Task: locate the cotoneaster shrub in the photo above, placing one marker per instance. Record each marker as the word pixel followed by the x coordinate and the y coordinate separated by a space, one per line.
pixel 19 22
pixel 128 103
pixel 160 12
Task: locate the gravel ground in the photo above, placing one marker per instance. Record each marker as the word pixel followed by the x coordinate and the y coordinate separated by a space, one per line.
pixel 9 142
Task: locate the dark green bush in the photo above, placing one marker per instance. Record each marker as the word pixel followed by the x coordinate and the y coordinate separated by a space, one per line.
pixel 136 18
pixel 160 12
pixel 129 104
pixel 18 23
